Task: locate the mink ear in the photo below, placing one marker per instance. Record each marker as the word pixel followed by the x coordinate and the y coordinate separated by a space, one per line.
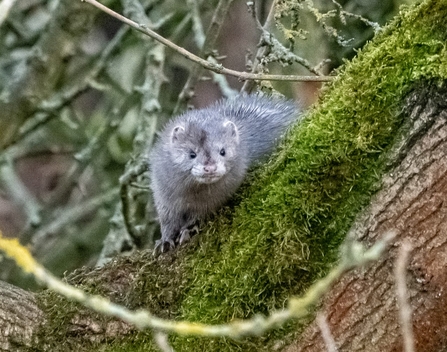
pixel 177 134
pixel 231 130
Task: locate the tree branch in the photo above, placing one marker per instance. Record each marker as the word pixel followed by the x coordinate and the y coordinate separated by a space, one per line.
pixel 26 91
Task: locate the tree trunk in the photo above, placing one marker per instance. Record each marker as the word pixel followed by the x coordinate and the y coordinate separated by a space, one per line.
pixel 361 308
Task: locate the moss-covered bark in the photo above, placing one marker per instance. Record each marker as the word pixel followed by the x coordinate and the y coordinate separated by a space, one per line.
pixel 283 230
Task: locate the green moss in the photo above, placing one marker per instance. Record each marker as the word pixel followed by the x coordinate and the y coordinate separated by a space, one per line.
pixel 135 282
pixel 294 214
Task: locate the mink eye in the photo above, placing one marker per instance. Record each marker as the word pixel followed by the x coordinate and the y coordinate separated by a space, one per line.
pixel 192 155
pixel 222 152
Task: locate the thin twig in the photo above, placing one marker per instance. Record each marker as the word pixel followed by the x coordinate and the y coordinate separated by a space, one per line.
pixel 218 68
pixel 263 49
pixel 19 192
pixel 402 296
pixel 136 11
pixel 5 7
pixel 161 339
pixel 326 333
pixel 197 25
pixel 202 42
pixel 206 47
pixel 252 10
pixel 127 216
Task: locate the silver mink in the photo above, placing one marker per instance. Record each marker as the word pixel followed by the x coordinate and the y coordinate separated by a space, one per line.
pixel 202 157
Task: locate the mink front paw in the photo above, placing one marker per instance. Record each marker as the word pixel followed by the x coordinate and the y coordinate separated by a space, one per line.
pixel 163 246
pixel 185 234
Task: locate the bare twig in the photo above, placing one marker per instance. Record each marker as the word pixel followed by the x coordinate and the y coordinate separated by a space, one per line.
pixel 326 333
pixel 18 191
pixel 207 46
pixel 203 42
pixel 402 296
pixel 126 210
pixel 263 50
pixel 136 11
pixel 197 25
pixel 218 68
pixel 161 339
pixel 5 7
pixel 252 10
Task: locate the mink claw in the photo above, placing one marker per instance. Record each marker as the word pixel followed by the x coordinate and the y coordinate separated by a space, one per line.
pixel 186 234
pixel 163 246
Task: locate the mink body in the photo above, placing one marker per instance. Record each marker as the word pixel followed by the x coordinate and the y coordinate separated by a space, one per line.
pixel 202 157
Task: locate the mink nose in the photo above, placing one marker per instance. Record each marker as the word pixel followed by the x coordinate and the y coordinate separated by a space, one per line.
pixel 209 168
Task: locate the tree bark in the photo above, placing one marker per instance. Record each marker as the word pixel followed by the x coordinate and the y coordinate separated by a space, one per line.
pixel 361 308
pixel 19 318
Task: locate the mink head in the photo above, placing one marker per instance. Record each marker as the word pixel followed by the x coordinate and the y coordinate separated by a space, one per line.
pixel 207 152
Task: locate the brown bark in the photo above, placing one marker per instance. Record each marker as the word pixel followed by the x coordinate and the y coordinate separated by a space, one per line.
pixel 19 318
pixel 361 308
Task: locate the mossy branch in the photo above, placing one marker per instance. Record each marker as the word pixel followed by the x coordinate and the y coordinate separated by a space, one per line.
pixel 355 255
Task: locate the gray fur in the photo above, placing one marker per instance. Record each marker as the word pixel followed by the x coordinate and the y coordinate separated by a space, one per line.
pixel 190 176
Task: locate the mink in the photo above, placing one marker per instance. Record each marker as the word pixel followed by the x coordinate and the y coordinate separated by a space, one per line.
pixel 202 156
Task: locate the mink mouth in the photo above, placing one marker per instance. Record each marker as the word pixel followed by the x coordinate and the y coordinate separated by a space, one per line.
pixel 208 179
